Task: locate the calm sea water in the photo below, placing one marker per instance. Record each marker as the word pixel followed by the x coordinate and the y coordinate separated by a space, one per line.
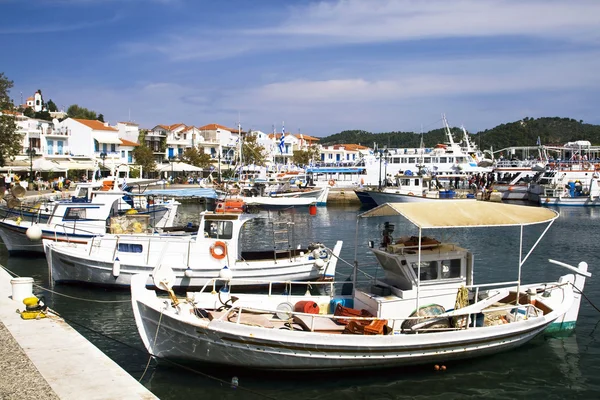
pixel 555 368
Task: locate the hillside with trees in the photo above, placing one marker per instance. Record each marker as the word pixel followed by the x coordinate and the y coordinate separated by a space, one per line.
pixel 551 131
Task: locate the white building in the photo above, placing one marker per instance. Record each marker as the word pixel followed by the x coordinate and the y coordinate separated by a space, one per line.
pixel 36 102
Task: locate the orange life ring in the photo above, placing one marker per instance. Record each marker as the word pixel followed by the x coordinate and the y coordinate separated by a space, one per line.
pixel 411 194
pixel 222 246
pixel 331 182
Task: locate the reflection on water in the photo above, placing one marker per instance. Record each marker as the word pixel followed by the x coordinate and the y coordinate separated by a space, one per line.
pixel 546 367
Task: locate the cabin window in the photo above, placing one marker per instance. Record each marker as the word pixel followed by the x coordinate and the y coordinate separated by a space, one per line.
pixel 74 213
pixel 427 160
pixel 450 269
pixel 130 248
pixel 443 160
pixel 429 270
pixel 396 160
pixel 411 160
pixel 218 229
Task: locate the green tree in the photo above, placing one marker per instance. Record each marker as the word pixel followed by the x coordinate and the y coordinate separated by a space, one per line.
pixel 10 140
pixel 74 111
pixel 196 157
pixel 45 115
pixel 253 153
pixel 28 112
pixel 50 106
pixel 101 117
pixel 303 157
pixel 145 157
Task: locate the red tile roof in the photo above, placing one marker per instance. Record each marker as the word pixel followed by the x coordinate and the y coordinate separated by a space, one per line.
pixel 125 142
pixel 95 125
pixel 214 127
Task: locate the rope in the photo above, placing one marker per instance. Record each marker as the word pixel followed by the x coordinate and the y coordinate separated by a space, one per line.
pixel 583 294
pixel 462 300
pixel 66 295
pixel 214 378
pixel 155 338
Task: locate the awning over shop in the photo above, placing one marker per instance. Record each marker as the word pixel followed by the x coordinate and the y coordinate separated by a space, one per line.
pixel 109 139
pixel 78 164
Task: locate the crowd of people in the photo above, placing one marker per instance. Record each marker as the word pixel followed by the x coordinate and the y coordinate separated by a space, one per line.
pixel 11 179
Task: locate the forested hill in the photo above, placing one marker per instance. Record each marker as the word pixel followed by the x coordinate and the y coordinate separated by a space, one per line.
pixel 551 131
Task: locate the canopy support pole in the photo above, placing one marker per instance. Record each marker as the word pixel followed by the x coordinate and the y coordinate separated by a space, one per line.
pixel 419 270
pixel 355 271
pixel 520 264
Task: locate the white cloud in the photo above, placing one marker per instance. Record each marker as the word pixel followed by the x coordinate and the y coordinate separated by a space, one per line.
pixel 346 22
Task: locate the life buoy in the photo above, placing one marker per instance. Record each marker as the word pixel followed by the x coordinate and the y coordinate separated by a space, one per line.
pixel 223 252
pixel 331 182
pixel 411 194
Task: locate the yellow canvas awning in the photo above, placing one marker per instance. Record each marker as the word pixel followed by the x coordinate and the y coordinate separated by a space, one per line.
pixel 464 213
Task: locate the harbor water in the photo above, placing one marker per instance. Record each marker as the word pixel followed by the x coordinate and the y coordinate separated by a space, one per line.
pixel 549 367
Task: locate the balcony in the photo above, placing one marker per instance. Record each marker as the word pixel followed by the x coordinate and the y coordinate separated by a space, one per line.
pixel 156 134
pixel 57 132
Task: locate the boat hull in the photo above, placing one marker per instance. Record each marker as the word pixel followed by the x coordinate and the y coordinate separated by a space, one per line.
pixel 579 201
pixel 224 343
pixel 382 197
pixel 75 267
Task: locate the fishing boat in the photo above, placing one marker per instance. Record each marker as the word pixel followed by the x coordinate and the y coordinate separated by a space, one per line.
pixel 582 193
pixel 426 309
pixel 273 196
pixel 409 188
pixel 87 214
pixel 111 260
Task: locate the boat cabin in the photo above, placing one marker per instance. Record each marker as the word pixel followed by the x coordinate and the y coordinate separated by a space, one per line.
pixel 434 274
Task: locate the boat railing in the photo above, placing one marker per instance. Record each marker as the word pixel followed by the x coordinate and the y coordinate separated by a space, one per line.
pixel 214 283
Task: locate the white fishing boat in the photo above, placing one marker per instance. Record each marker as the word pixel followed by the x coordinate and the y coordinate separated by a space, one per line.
pixel 574 161
pixel 416 189
pixel 456 318
pixel 111 260
pixel 87 214
pixel 263 196
pixel 581 193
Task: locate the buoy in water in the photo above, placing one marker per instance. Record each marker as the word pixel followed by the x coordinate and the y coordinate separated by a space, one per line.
pixel 312 209
pixel 436 367
pixel 34 232
pixel 188 272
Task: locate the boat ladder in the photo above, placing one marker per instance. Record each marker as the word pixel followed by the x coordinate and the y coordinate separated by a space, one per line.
pixel 282 235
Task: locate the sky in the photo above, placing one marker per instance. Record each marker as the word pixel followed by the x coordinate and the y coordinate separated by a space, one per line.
pixel 315 67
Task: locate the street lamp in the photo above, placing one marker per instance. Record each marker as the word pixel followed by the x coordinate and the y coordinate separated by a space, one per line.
pixel 103 157
pixel 31 152
pixel 386 155
pixel 382 154
pixel 172 160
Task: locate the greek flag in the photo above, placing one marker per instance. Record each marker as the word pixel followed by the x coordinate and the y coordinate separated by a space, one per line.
pixel 282 140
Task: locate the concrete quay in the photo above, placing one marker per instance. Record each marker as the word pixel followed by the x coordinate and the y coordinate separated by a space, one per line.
pixel 48 359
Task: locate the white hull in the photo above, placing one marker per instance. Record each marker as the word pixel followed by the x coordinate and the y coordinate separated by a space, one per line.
pixel 68 268
pixel 579 201
pixel 190 258
pixel 383 197
pixel 219 341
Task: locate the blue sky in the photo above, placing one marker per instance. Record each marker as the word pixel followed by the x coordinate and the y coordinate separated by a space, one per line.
pixel 320 66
